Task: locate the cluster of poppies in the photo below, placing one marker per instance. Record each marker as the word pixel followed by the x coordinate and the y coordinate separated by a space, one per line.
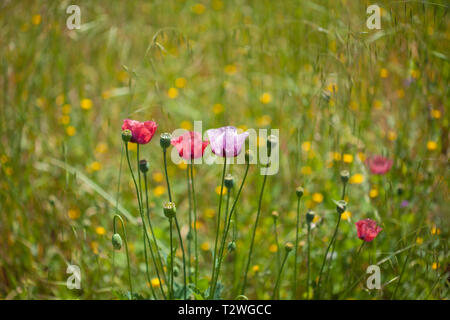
pixel 224 141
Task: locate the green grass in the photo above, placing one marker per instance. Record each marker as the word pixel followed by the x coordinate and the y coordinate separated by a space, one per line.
pixel 309 68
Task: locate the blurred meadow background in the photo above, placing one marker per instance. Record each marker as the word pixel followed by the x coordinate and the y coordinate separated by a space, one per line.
pixel 338 92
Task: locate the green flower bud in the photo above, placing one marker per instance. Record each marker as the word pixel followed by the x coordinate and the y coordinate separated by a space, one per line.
pixel 117 241
pixel 170 210
pixel 275 215
pixel 164 140
pixel 345 176
pixel 400 189
pixel 126 135
pixel 309 216
pixel 341 205
pixel 144 166
pixel 176 271
pixel 229 181
pixel 288 247
pixel 299 191
pixel 231 246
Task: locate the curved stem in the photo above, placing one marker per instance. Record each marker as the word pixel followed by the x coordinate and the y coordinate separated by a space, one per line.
pixel 227 225
pixel 195 227
pixel 277 284
pixel 116 216
pixel 218 228
pixel 154 241
pixel 244 283
pixel 296 248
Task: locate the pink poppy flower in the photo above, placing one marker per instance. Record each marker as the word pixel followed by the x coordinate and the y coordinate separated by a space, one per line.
pixel 142 132
pixel 226 142
pixel 379 164
pixel 190 145
pixel 367 229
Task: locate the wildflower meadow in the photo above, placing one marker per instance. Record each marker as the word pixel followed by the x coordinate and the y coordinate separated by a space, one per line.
pixel 224 149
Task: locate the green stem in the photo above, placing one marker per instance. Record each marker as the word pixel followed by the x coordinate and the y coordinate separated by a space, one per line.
pixel 116 216
pixel 308 239
pixel 277 284
pixel 146 266
pixel 171 259
pixel 218 228
pixel 195 226
pixel 296 248
pixel 244 283
pixel 190 226
pixel 154 240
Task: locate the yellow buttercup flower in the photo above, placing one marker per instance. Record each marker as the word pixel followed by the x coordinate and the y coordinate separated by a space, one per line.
pixel 317 197
pixel 273 248
pixel 224 191
pixel 316 219
pixel 172 93
pixel 186 125
pixel 155 282
pixel 217 108
pixel 205 246
pixel 96 166
pixel 157 177
pixel 71 131
pixel 263 121
pixel 337 156
pixel 306 170
pixel 346 215
pixel 86 104
pixel 132 146
pixel 159 191
pixel 101 147
pixel 400 93
pixel 435 265
pixel 59 99
pixel 373 193
pixel 73 214
pixel 230 69
pixel 36 19
pixel 419 240
pixel 180 82
pixel 9 171
pixel 332 87
pixel 198 8
pixel 435 113
pixel 392 135
pixel 306 146
pixel 67 108
pixel 348 158
pixel 384 73
pixel 100 231
pixel 435 230
pixel 357 179
pixel 265 98
pixel 65 119
pixel 182 165
pixel 377 104
pixel 210 212
pixel 361 156
pixel 255 268
pixel 94 247
pixel 432 145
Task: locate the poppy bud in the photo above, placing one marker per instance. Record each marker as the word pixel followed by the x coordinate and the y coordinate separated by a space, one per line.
pixel 176 271
pixel 288 247
pixel 126 135
pixel 189 235
pixel 229 181
pixel 309 216
pixel 400 189
pixel 299 191
pixel 341 205
pixel 231 246
pixel 144 166
pixel 170 210
pixel 271 141
pixel 345 176
pixel 275 215
pixel 117 241
pixel 164 140
pixel 248 156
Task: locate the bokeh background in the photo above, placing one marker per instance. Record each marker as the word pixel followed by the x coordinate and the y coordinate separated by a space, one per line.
pixel 338 92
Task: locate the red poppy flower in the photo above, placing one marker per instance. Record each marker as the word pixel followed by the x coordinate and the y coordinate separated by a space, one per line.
pixel 190 145
pixel 142 132
pixel 367 229
pixel 379 164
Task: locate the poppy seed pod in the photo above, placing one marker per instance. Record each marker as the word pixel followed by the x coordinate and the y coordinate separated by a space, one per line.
pixel 248 156
pixel 170 210
pixel 299 191
pixel 345 176
pixel 126 135
pixel 117 241
pixel 275 215
pixel 341 205
pixel 309 216
pixel 288 247
pixel 231 246
pixel 144 166
pixel 229 181
pixel 164 140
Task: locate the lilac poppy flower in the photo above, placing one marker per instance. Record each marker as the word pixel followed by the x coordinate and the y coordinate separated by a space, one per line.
pixel 404 203
pixel 225 141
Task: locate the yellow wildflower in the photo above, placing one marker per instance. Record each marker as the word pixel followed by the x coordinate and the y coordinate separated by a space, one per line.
pixel 224 191
pixel 346 215
pixel 96 166
pixel 198 8
pixel 431 145
pixel 317 197
pixel 255 268
pixel 100 231
pixel 348 158
pixel 306 146
pixel 373 193
pixel 73 214
pixel 71 131
pixel 205 246
pixel 273 248
pixel 436 113
pixel 357 179
pixel 217 108
pixel 419 240
pixel 180 82
pixel 265 98
pixel 186 125
pixel 230 69
pixel 36 19
pixel 172 93
pixel 86 104
pixel 157 177
pixel 384 73
pixel 159 191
